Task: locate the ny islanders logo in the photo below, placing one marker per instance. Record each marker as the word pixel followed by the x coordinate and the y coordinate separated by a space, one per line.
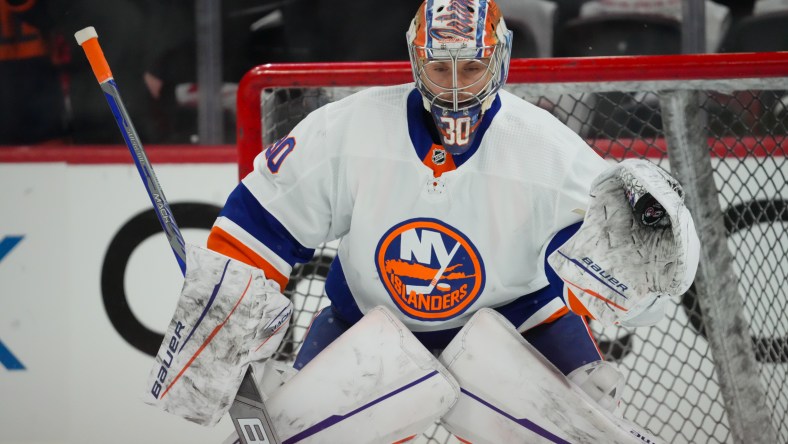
pixel 431 270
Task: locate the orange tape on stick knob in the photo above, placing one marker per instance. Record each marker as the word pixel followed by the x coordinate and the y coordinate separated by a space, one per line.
pixel 88 39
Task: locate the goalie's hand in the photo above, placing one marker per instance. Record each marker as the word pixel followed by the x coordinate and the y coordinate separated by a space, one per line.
pixel 619 269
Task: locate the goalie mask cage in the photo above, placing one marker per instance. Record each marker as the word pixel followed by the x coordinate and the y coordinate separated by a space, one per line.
pixel 716 370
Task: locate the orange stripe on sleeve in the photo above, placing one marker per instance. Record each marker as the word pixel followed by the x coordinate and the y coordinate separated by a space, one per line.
pixel 593 339
pixel 557 315
pixel 575 304
pixel 224 243
pixel 594 294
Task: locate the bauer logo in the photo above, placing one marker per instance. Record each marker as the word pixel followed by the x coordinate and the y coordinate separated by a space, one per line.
pixel 606 278
pixel 166 361
pixel 431 270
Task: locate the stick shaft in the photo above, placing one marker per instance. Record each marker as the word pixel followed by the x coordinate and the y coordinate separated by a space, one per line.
pixel 88 39
pixel 249 415
pixel 148 176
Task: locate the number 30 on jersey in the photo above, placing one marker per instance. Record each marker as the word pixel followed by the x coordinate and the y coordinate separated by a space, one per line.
pixel 278 152
pixel 458 130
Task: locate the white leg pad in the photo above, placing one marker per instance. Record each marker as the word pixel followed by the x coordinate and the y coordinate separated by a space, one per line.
pixel 270 375
pixel 511 393
pixel 375 384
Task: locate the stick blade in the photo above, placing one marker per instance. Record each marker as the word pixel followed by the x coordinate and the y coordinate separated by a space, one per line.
pixel 250 418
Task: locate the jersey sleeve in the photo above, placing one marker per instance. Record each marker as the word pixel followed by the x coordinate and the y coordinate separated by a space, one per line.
pixel 572 201
pixel 286 206
pixel 573 194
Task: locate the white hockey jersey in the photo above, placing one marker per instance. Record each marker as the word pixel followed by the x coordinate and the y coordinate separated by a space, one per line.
pixel 432 249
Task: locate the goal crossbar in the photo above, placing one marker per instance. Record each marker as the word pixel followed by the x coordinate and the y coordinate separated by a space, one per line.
pixel 527 71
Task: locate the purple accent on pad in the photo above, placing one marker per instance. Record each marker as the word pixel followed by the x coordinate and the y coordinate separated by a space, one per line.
pixel 338 292
pixel 583 267
pixel 335 419
pixel 207 306
pixel 523 422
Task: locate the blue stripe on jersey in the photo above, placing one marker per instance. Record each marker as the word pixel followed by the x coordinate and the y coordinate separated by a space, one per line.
pixel 559 239
pixel 339 294
pixel 245 210
pixel 565 342
pixel 325 328
pixel 522 308
pixel 420 136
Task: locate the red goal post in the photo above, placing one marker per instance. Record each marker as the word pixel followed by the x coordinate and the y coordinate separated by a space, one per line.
pixel 716 370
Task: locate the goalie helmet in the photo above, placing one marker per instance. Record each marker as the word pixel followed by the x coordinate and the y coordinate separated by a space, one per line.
pixel 459 52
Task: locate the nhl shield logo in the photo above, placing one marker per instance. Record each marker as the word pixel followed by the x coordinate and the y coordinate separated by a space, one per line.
pixel 438 156
pixel 431 271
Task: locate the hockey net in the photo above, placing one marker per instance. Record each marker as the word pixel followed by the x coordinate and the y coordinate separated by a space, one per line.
pixel 680 382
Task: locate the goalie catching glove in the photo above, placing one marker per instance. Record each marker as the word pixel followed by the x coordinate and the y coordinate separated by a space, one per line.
pixel 624 261
pixel 228 316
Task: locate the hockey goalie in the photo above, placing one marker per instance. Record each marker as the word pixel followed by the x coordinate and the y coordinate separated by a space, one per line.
pixel 479 235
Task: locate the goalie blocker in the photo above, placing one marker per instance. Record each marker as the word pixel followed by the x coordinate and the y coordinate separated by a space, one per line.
pixel 617 268
pixel 228 316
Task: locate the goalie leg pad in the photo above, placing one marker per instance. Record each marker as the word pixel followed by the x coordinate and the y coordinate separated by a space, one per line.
pixel 228 315
pixel 376 383
pixel 511 393
pixel 269 375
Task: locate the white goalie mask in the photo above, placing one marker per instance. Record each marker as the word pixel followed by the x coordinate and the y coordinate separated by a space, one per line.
pixel 459 52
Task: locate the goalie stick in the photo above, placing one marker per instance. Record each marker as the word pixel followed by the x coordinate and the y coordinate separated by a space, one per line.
pixel 248 413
